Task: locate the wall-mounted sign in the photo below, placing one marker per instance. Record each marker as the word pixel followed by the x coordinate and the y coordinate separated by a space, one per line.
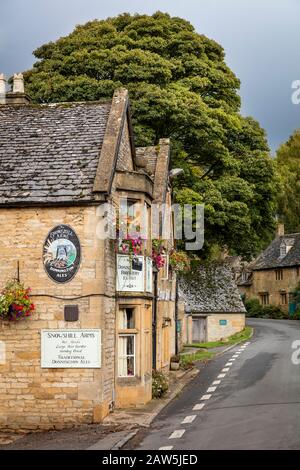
pixel 130 273
pixel 223 322
pixel 74 349
pixel 62 254
pixel 149 275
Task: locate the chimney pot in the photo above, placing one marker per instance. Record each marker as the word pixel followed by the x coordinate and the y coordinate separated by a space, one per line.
pixel 18 83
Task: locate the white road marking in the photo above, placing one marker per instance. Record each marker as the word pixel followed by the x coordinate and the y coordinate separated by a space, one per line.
pixel 166 448
pixel 226 369
pixel 216 382
pixel 188 419
pixel 232 359
pixel 221 376
pixel 228 364
pixel 177 434
pixel 235 356
pixel 205 397
pixel 199 406
pixel 211 389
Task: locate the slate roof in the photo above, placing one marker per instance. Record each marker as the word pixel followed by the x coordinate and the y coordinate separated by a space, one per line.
pixel 50 153
pixel 211 289
pixel 270 258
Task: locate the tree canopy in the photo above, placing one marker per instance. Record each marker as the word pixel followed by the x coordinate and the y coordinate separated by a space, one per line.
pixel 288 164
pixel 180 87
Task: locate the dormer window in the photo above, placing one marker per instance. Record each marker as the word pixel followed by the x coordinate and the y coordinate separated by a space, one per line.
pixel 283 250
pixel 285 247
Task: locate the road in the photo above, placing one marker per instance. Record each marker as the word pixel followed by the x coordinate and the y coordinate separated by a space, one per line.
pixel 253 404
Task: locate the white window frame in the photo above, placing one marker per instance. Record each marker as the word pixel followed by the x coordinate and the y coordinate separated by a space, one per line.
pixel 122 335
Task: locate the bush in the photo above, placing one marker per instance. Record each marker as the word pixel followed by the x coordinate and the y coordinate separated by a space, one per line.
pixel 296 316
pixel 160 384
pixel 256 310
pixel 274 312
pixel 253 308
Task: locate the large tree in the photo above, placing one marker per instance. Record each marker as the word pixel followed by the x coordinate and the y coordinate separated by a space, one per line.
pixel 288 164
pixel 180 87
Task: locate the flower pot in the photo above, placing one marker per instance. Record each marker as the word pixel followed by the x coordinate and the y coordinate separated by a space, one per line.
pixel 174 365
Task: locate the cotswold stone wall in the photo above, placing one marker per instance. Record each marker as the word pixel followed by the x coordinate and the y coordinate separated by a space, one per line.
pixel 32 397
pixel 215 331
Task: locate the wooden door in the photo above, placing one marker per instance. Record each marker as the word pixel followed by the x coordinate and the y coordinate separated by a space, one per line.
pixel 199 330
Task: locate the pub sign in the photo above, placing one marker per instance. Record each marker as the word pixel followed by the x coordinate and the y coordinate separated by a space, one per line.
pixel 61 254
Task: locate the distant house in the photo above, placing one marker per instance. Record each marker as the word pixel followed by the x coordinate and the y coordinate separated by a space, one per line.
pixel 276 272
pixel 212 304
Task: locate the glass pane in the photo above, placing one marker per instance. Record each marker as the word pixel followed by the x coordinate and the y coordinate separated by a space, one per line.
pixel 130 366
pixel 130 345
pixel 129 318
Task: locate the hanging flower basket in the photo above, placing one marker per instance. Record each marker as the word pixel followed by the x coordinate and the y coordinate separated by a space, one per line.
pixel 158 254
pixel 15 302
pixel 179 261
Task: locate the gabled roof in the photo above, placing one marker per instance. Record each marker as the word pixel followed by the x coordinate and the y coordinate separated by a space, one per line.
pixel 271 258
pixel 210 289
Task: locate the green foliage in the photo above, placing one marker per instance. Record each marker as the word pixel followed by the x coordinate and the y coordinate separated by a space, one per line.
pixel 160 384
pixel 180 87
pixel 187 361
pixel 296 316
pixel 288 164
pixel 256 310
pixel 15 302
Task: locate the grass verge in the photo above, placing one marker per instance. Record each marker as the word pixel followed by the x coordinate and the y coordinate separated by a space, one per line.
pixel 187 360
pixel 234 339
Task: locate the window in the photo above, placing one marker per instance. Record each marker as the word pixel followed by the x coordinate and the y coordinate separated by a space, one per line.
pixel 126 342
pixel 264 298
pixel 279 274
pixel 283 298
pixel 126 356
pixel 283 250
pixel 126 319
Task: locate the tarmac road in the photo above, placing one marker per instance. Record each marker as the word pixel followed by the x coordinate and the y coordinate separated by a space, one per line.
pixel 253 404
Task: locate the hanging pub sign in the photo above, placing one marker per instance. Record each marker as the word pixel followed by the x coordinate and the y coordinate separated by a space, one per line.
pixel 61 254
pixel 130 273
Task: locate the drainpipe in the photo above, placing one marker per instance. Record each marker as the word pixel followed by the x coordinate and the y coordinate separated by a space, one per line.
pixel 154 318
pixel 176 317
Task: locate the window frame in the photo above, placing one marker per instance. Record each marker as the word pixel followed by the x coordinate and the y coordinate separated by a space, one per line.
pixel 122 335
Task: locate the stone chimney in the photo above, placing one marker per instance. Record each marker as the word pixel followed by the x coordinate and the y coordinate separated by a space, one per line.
pixel 280 230
pixel 17 95
pixel 18 84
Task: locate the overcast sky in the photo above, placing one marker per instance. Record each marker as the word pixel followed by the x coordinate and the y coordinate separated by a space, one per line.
pixel 261 39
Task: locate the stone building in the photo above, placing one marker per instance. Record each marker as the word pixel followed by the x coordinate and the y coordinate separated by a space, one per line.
pixel 89 345
pixel 275 274
pixel 211 303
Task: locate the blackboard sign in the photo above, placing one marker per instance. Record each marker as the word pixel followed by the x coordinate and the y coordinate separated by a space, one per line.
pixel 61 254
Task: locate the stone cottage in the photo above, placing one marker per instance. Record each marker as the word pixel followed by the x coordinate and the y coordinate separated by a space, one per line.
pixel 89 345
pixel 211 303
pixel 275 274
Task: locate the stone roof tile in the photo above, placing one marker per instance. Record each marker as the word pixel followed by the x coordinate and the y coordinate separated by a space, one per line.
pixel 50 153
pixel 270 258
pixel 211 289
